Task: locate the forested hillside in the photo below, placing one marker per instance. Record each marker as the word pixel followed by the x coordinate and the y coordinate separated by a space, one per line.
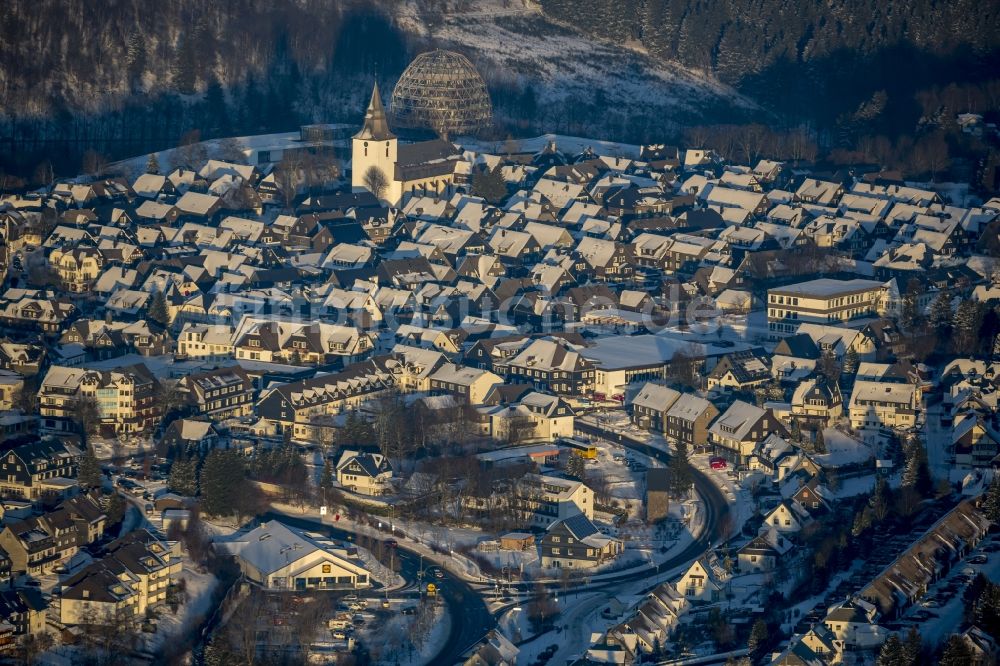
pixel 807 58
pixel 124 77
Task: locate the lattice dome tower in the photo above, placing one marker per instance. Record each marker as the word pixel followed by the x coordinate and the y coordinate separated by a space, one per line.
pixel 441 91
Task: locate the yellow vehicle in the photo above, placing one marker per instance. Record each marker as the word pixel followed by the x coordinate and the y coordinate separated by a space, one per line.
pixel 583 449
pixel 431 590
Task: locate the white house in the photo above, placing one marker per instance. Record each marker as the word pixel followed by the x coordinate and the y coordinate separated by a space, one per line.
pixel 701 582
pixel 365 473
pixel 884 405
pixel 789 517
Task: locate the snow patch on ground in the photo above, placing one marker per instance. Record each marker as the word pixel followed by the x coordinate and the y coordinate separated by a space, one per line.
pixel 198 588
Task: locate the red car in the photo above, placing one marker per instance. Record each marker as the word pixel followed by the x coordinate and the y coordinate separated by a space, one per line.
pixel 717 462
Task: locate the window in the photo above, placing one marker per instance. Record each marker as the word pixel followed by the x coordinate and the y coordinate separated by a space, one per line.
pixel 327 568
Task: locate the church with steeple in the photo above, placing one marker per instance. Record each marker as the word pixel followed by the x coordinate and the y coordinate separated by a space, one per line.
pixel 380 161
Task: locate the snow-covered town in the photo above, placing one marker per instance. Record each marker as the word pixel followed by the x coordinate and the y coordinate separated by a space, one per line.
pixel 358 395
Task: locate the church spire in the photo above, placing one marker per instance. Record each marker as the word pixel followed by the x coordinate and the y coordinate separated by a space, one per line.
pixel 376 127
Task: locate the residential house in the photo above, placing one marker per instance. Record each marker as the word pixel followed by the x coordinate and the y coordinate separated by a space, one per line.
pixel 190 436
pixel 737 432
pixel 741 371
pixel 550 365
pixel 651 405
pixel 817 403
pixel 35 468
pixel 222 393
pixel 575 542
pixel 364 473
pixel 688 420
pixel 765 552
pixel 470 384
pixel 130 580
pixel 211 342
pixel 876 404
pixel 545 499
pixel 534 416
pixel 77 267
pixel 703 581
pixel 125 398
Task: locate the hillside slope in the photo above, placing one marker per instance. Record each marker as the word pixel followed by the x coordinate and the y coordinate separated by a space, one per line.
pixel 806 57
pixel 128 76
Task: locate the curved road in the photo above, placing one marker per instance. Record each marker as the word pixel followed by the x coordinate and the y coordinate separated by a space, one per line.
pixel 716 511
pixel 716 506
pixel 470 618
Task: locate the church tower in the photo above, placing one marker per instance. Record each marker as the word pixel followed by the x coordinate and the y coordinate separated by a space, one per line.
pixel 375 146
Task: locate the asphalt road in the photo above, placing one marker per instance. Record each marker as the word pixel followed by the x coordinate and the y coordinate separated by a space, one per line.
pixel 716 511
pixel 470 618
pixel 716 506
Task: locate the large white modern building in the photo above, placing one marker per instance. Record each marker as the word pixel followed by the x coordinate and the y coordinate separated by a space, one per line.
pixel 825 301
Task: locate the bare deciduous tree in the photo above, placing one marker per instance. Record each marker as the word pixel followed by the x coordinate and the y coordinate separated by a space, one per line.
pixel 376 181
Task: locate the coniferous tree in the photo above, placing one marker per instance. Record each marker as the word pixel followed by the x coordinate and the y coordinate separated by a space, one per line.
pixel 880 500
pixel 991 504
pixel 679 477
pixel 892 653
pixel 966 323
pixel 910 314
pixel 956 652
pixel 819 443
pixel 489 184
pixel 326 480
pixel 152 164
pixel 851 362
pixel 184 476
pixel 917 474
pixel 913 647
pixel 185 69
pixel 576 467
pixel 222 481
pixel 940 314
pixel 117 506
pixel 829 366
pixel 135 58
pixel 157 310
pixel 758 636
pixel 215 107
pixel 89 475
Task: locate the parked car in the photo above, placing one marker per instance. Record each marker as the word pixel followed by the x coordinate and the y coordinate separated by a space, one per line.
pixel 978 559
pixel 717 462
